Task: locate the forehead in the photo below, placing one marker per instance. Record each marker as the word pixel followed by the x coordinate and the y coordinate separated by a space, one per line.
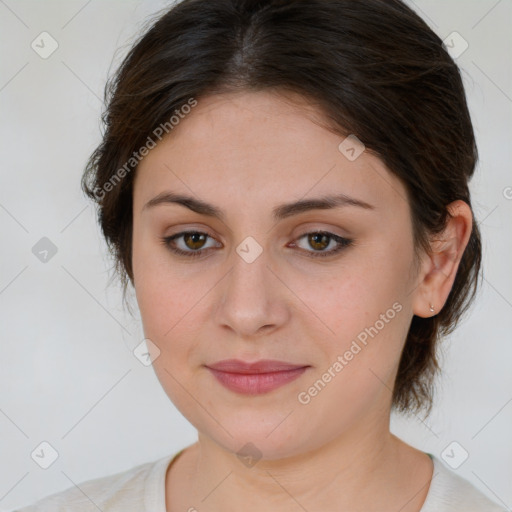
pixel 265 147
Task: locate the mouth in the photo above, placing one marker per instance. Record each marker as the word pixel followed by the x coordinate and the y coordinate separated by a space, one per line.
pixel 255 378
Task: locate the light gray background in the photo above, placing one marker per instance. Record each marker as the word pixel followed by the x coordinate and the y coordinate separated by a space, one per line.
pixel 67 372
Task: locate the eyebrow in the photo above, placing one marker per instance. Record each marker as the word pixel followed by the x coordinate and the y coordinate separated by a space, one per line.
pixel 278 213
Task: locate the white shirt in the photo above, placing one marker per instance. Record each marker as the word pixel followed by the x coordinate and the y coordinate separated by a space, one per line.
pixel 142 489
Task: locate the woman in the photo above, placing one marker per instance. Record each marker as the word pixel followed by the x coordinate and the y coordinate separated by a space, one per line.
pixel 285 185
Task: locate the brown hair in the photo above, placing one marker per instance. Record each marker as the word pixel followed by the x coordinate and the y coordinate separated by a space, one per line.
pixel 375 69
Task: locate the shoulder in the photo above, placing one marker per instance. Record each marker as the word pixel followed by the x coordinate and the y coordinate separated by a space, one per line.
pixel 450 492
pixel 133 489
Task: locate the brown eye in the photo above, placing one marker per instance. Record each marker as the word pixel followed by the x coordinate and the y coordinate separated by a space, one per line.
pixel 192 243
pixel 321 240
pixel 318 241
pixel 194 240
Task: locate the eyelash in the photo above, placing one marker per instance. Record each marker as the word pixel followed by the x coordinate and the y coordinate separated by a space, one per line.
pixel 343 243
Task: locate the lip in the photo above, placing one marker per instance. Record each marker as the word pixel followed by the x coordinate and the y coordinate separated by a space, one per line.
pixel 255 378
pixel 261 366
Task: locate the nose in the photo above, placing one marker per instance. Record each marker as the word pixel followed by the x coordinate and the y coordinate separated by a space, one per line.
pixel 251 301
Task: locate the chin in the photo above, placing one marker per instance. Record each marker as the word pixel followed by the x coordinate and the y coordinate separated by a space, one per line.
pixel 256 439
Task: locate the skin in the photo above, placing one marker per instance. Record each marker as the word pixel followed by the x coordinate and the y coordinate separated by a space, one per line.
pixel 246 153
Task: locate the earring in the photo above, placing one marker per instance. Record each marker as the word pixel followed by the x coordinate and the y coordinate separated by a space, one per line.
pixel 432 308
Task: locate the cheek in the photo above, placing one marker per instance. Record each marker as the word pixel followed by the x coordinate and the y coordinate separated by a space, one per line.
pixel 167 313
pixel 360 359
pixel 159 303
pixel 167 309
pixel 172 305
pixel 346 300
pixel 362 311
pixel 160 297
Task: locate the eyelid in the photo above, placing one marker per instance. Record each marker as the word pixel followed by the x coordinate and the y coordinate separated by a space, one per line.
pixel 341 241
pixel 168 240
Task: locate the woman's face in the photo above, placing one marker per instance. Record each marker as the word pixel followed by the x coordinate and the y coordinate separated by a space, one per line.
pixel 268 285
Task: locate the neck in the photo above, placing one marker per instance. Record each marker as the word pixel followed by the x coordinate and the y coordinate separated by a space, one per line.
pixel 363 469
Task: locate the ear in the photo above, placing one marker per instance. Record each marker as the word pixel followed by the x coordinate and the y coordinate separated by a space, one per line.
pixel 439 266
